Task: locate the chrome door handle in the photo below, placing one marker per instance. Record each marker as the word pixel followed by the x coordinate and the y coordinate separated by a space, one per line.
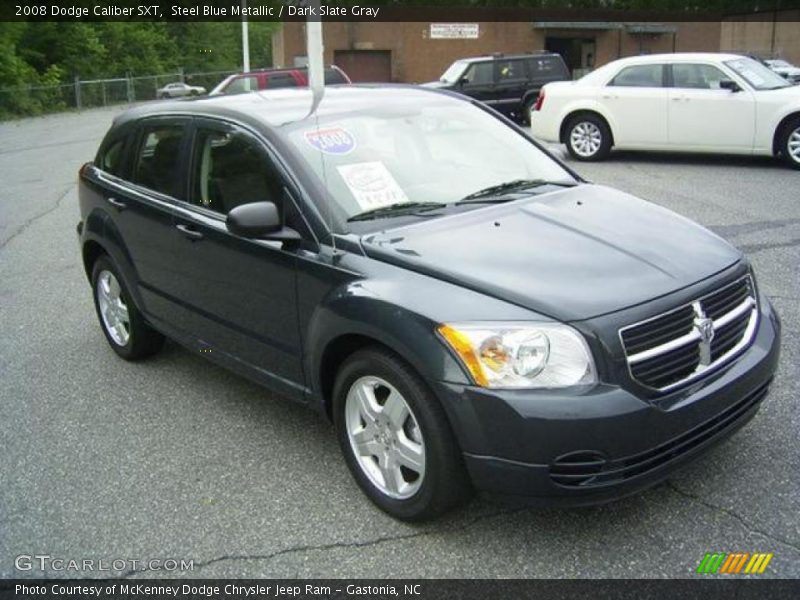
pixel 118 204
pixel 190 233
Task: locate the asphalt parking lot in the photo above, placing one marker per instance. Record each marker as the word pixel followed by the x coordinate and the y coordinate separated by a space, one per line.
pixel 176 458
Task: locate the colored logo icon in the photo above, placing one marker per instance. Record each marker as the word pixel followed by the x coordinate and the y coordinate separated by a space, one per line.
pixel 734 563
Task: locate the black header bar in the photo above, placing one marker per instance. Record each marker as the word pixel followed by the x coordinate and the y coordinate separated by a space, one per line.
pixel 390 11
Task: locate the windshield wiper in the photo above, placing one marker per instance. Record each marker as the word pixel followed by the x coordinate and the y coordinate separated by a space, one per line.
pixel 496 192
pixel 399 209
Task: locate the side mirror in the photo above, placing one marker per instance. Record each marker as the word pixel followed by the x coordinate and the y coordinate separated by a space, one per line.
pixel 727 84
pixel 259 220
pixel 463 81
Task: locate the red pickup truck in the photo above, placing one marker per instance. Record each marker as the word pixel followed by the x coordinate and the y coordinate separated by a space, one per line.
pixel 265 79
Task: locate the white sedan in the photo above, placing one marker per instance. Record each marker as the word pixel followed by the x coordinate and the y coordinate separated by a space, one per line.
pixel 785 69
pixel 178 89
pixel 704 102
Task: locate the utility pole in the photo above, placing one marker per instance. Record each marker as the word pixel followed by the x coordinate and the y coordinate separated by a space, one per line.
pixel 315 53
pixel 245 40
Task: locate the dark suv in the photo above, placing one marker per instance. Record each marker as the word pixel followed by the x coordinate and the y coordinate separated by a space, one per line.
pixel 466 309
pixel 507 83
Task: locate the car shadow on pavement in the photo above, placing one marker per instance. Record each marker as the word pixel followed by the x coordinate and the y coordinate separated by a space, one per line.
pixel 695 159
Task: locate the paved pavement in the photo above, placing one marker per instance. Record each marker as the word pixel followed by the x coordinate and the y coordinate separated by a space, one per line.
pixel 176 458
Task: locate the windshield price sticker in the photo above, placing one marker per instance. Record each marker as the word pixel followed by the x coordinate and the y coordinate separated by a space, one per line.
pixel 372 185
pixel 333 140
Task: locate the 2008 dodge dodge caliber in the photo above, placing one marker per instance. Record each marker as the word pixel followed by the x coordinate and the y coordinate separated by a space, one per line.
pixel 468 311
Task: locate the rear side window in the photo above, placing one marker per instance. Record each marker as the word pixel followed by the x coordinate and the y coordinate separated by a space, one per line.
pixel 112 160
pixel 545 66
pixel 640 76
pixel 280 80
pixel 510 70
pixel 242 84
pixel 334 76
pixel 157 159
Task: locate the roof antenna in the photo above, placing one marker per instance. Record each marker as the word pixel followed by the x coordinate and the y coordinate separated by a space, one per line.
pixel 315 53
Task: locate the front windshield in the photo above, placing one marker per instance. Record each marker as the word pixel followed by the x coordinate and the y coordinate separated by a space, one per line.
pixel 756 74
pixel 453 72
pixel 439 151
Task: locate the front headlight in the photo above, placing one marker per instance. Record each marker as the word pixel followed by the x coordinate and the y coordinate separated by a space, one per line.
pixel 542 355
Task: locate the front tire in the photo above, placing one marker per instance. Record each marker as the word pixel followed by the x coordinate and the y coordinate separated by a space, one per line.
pixel 588 138
pixel 790 144
pixel 396 439
pixel 123 325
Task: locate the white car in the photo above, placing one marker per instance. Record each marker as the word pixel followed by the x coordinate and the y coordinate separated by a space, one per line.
pixel 704 102
pixel 784 69
pixel 175 90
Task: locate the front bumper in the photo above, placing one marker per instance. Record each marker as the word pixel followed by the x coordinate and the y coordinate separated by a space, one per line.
pixel 573 449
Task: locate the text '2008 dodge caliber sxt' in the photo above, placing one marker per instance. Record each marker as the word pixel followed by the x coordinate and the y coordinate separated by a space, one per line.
pixel 468 311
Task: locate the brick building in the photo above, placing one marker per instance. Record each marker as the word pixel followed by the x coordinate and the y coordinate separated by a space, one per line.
pixel 420 51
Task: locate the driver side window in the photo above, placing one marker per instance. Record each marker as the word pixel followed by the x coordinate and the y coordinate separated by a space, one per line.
pixel 702 77
pixel 230 169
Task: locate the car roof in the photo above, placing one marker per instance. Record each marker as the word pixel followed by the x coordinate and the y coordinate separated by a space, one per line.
pixel 488 57
pixel 678 57
pixel 273 108
pixel 278 70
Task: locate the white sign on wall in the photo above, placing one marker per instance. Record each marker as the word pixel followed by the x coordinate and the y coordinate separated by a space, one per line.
pixel 455 31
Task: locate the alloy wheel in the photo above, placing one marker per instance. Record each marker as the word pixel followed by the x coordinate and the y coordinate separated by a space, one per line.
pixel 113 309
pixel 385 437
pixel 586 139
pixel 793 145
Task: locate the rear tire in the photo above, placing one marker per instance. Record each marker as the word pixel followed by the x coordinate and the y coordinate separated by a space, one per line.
pixel 396 439
pixel 123 325
pixel 588 138
pixel 790 143
pixel 527 106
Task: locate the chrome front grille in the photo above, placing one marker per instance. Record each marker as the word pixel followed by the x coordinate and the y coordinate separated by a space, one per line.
pixel 679 346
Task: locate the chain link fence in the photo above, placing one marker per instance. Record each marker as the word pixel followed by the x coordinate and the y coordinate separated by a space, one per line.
pixel 92 93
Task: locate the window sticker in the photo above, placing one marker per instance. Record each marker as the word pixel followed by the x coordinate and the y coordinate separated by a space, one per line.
pixel 372 185
pixel 331 140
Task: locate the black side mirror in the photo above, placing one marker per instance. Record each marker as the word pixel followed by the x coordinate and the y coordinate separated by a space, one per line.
pixel 463 81
pixel 727 84
pixel 259 220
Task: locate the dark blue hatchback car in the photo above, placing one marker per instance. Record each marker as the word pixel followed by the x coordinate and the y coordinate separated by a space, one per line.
pixel 468 311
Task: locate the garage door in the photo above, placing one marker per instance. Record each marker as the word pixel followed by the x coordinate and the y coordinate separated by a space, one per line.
pixel 365 65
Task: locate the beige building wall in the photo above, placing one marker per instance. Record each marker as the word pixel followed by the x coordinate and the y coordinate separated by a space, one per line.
pixel 764 36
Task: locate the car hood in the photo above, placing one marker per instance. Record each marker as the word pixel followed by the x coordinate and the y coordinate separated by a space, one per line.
pixel 789 93
pixel 572 254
